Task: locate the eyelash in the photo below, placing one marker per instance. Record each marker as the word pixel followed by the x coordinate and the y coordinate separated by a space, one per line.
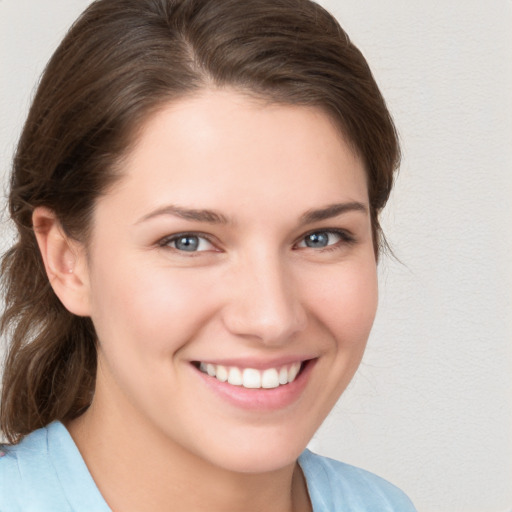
pixel 346 239
pixel 168 240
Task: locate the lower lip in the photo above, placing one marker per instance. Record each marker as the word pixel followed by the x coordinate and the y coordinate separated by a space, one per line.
pixel 260 399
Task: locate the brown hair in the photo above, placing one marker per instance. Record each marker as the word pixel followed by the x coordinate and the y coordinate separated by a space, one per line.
pixel 119 63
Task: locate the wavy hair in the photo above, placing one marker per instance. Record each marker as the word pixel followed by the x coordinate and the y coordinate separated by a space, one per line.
pixel 120 62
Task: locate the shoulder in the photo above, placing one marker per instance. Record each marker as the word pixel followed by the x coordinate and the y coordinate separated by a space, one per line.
pixel 10 479
pixel 27 478
pixel 334 485
pixel 14 462
pixel 46 473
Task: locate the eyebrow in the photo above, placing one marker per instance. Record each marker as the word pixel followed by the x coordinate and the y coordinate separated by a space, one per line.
pixel 333 210
pixel 198 215
pixel 214 217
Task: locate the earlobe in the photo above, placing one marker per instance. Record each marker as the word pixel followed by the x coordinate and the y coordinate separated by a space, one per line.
pixel 64 260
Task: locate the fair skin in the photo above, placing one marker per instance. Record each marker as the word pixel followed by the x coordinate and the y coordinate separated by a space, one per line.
pixel 274 271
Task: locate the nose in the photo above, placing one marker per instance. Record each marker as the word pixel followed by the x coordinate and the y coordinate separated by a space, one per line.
pixel 264 302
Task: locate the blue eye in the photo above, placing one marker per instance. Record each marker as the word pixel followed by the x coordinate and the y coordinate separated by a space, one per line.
pixel 315 240
pixel 188 242
pixel 323 239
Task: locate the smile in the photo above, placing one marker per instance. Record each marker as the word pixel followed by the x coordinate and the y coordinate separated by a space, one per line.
pixel 252 378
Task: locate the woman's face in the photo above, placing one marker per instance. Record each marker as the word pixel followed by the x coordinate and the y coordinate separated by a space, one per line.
pixel 237 246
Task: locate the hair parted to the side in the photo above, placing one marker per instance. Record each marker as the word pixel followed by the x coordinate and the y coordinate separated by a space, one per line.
pixel 120 62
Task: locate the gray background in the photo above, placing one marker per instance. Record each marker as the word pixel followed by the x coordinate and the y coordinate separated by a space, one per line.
pixel 431 406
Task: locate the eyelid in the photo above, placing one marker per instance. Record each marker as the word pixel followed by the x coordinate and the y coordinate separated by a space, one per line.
pixel 346 237
pixel 167 240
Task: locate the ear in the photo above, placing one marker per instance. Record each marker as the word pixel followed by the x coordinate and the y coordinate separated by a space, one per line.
pixel 65 262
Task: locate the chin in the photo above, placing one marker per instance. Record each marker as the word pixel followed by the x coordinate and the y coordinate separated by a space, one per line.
pixel 261 462
pixel 262 454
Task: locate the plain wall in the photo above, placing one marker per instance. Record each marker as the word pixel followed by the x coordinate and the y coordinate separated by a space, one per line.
pixel 431 406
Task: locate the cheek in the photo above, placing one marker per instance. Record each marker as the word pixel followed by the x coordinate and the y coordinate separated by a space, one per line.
pixel 346 303
pixel 148 310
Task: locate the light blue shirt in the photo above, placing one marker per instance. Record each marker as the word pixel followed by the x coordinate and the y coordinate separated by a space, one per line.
pixel 46 473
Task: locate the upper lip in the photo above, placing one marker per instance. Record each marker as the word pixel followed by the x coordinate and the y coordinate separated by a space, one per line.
pixel 256 363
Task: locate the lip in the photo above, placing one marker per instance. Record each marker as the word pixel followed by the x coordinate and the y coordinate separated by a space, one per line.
pixel 259 399
pixel 258 364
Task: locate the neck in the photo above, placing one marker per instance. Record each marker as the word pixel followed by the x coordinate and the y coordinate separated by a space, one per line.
pixel 138 468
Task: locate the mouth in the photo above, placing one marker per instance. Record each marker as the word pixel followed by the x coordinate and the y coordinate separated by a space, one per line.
pixel 256 386
pixel 253 378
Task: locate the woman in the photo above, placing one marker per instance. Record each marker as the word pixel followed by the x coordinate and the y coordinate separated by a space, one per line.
pixel 196 191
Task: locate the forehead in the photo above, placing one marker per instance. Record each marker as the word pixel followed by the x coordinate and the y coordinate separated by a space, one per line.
pixel 226 148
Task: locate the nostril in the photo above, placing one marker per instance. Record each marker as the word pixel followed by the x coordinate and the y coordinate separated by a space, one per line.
pixel 270 325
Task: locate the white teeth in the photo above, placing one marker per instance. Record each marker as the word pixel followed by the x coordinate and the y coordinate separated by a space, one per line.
pixel 251 378
pixel 235 377
pixel 294 370
pixel 221 373
pixel 270 379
